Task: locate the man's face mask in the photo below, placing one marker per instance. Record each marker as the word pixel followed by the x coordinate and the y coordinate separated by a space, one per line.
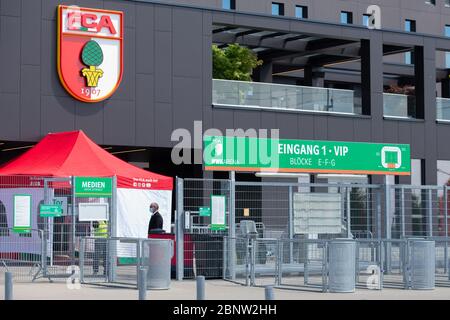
pixel 152 210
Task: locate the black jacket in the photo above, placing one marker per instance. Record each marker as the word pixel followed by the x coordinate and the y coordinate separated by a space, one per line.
pixel 156 222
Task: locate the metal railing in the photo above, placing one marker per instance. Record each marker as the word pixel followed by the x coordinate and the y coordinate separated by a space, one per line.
pixel 262 262
pixel 443 109
pixel 22 254
pixel 399 105
pixel 285 97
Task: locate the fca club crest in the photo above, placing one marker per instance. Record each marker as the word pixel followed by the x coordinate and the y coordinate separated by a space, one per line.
pixel 90 52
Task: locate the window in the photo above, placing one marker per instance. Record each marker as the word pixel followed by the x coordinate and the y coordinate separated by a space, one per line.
pixel 229 4
pixel 410 26
pixel 365 20
pixel 447 54
pixel 277 9
pixel 301 12
pixel 447 3
pixel 432 2
pixel 346 17
pixel 4 231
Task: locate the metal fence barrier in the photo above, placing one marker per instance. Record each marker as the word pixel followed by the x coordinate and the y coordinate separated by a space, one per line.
pixel 22 254
pixel 320 265
pixel 118 261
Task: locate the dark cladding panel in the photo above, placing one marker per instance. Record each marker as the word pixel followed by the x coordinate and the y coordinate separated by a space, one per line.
pixel 390 131
pixel 163 18
pixel 362 130
pixel 163 67
pixel 187 103
pixel 340 129
pixel 89 118
pixel 9 116
pixel 31 32
pixel 418 137
pixel 127 7
pixel 11 7
pixel 443 134
pixel 247 119
pixel 9 54
pixel 268 120
pixel 126 90
pixel 49 9
pixel 30 88
pixel 288 125
pixel 306 126
pixel 145 39
pixel 223 119
pixel 145 110
pixel 119 121
pixel 57 114
pixel 187 43
pixel 321 128
pixel 163 124
pixel 50 84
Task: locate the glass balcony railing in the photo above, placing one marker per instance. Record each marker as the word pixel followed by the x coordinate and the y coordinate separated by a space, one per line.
pixel 278 96
pixel 399 105
pixel 443 109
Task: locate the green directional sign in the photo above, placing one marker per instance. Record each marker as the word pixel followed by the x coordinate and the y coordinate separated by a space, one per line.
pixel 50 210
pixel 283 155
pixel 91 187
pixel 204 211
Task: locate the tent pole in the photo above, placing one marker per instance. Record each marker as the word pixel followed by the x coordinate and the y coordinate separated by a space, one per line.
pixel 73 220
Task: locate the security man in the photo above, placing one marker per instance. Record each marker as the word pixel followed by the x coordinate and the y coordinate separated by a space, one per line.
pixel 100 233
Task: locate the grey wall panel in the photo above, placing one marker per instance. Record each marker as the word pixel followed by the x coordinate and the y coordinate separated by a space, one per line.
pixel 340 128
pixel 163 67
pixel 9 54
pixel 145 110
pixel 50 84
pixel 306 126
pixel 10 115
pixel 57 114
pixel 30 88
pixel 223 119
pixel 163 124
pixel 10 8
pixel 321 128
pixel 247 119
pixel 288 125
pixel 390 131
pixel 126 90
pixel 49 8
pixel 268 120
pixel 145 39
pixel 362 129
pixel 118 122
pixel 89 118
pixel 418 137
pixel 128 9
pixel 443 135
pixel 30 27
pixel 187 43
pixel 187 102
pixel 163 18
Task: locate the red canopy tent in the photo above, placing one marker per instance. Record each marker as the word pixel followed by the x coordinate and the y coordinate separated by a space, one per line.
pixel 72 153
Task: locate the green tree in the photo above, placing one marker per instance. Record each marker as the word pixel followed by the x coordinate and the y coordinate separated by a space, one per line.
pixel 234 63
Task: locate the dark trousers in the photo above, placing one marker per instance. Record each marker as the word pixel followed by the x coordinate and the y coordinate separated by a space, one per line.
pixel 100 255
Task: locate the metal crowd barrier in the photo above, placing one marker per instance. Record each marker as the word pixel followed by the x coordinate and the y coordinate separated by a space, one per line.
pixel 118 261
pixel 22 254
pixel 304 264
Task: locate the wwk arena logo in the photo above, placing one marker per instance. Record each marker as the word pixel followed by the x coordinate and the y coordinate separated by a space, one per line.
pixel 90 52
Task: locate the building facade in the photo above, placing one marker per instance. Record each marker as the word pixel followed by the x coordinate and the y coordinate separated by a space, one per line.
pixel 321 79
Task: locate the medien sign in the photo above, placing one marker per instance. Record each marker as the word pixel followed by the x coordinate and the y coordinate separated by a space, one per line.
pixel 253 154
